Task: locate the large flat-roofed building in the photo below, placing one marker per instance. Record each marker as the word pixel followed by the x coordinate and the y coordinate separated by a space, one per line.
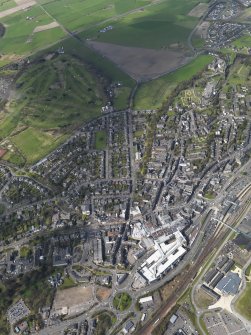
pixel 168 250
pixel 229 284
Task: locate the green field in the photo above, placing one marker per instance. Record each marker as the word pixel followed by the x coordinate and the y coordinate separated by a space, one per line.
pixel 243 304
pixel 151 95
pixel 100 140
pixel 158 26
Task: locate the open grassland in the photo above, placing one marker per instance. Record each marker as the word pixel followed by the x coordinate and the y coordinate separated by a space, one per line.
pixel 20 38
pixel 160 26
pixel 151 95
pixel 51 99
pixel 243 304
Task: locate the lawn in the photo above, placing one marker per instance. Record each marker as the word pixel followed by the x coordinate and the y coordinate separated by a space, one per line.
pixel 122 301
pixel 100 140
pixel 243 304
pixel 151 95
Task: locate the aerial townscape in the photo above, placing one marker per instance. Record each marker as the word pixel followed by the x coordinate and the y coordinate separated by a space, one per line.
pixel 125 167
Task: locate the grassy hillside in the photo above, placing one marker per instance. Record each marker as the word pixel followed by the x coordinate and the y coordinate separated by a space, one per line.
pixel 51 99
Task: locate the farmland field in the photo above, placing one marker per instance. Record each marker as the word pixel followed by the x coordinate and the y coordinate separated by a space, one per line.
pixel 19 38
pixel 168 21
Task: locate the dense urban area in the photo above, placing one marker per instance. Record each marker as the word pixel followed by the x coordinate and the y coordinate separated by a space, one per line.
pixel 139 221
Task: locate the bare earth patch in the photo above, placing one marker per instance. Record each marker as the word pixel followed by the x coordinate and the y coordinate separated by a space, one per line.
pixel 103 293
pixel 198 10
pixel 73 300
pixel 46 27
pixel 18 8
pixel 140 63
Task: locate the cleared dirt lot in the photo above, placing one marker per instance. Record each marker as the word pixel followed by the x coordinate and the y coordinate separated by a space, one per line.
pixel 103 293
pixel 22 6
pixel 141 64
pixel 198 10
pixel 46 27
pixel 74 300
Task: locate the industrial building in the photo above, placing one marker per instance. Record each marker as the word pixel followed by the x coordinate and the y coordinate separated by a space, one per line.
pixel 229 284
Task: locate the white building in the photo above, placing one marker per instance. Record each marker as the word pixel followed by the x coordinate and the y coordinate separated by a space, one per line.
pixel 168 250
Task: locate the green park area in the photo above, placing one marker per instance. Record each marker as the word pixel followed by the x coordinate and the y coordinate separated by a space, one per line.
pixel 151 95
pixel 122 301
